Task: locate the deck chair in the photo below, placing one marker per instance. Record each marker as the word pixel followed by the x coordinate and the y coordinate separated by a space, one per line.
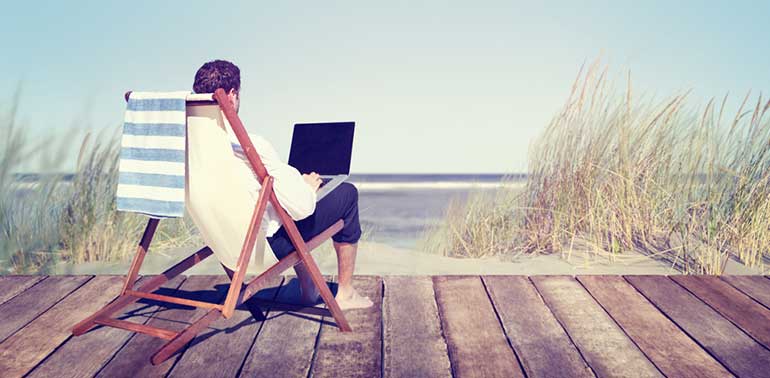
pixel 207 131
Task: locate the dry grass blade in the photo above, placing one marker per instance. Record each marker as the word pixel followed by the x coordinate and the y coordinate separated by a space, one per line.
pixel 620 172
pixel 47 218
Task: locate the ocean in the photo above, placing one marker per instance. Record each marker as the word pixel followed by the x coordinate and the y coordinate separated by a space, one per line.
pixel 397 209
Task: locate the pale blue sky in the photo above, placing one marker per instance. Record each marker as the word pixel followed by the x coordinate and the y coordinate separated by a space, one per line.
pixel 434 86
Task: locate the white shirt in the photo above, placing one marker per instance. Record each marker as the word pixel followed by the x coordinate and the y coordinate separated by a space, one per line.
pixel 293 193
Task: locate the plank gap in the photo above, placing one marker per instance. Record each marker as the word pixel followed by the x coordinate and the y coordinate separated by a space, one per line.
pixel 606 349
pixel 317 342
pixel 563 327
pixel 39 299
pixel 729 345
pixel 412 341
pixel 382 327
pixel 157 308
pixel 746 320
pixel 748 286
pixel 680 327
pixel 673 351
pixel 9 287
pixel 452 368
pixel 315 348
pixel 502 326
pixel 621 327
pixel 268 310
pixel 476 347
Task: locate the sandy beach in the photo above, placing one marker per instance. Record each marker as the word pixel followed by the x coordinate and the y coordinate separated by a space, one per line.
pixel 382 259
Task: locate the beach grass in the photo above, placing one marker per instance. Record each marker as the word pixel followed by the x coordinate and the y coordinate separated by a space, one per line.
pixel 615 171
pixel 478 226
pixel 58 218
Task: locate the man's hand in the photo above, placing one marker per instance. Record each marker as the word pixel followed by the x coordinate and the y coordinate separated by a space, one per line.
pixel 313 179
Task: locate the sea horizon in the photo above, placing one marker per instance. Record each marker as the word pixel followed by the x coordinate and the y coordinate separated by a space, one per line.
pixel 376 181
pixel 395 208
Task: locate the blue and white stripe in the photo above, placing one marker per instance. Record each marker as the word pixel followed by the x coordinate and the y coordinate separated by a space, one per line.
pixel 237 149
pixel 151 176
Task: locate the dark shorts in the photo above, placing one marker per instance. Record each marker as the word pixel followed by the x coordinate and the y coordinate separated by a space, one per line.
pixel 340 203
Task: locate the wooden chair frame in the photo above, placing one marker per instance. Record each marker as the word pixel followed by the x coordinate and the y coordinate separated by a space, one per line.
pixel 237 293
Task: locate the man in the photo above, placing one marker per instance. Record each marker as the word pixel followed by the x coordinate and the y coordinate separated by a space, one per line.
pixel 297 195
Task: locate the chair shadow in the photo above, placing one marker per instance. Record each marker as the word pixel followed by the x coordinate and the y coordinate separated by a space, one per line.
pixel 259 311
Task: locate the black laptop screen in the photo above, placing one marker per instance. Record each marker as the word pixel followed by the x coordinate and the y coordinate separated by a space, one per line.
pixel 324 148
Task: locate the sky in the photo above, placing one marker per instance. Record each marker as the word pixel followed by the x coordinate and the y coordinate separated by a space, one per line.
pixel 433 86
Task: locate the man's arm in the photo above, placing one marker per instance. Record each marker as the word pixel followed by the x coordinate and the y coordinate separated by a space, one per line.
pixel 294 194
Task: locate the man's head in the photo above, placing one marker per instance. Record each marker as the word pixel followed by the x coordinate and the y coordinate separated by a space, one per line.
pixel 219 74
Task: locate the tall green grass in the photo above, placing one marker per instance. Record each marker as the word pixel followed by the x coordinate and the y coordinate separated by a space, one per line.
pixel 615 171
pixel 59 218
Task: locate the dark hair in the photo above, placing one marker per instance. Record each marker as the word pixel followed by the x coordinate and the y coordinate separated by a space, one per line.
pixel 217 74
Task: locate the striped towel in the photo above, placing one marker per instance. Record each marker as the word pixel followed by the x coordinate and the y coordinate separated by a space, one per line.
pixel 151 175
pixel 237 149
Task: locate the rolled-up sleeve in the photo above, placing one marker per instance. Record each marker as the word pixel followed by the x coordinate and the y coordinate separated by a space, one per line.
pixel 293 193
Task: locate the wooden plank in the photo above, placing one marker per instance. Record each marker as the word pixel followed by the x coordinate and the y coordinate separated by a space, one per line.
pixel 133 360
pixel 26 348
pixel 605 346
pixel 412 342
pixel 34 301
pixel 284 346
pixel 733 348
pixel 757 287
pixel 220 351
pixel 84 355
pixel 475 339
pixel 543 347
pixel 10 286
pixel 749 315
pixel 356 353
pixel 672 351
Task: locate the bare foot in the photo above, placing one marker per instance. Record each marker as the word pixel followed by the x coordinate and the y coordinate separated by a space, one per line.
pixel 352 300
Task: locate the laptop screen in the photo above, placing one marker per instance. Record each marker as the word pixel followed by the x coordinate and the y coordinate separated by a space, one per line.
pixel 324 148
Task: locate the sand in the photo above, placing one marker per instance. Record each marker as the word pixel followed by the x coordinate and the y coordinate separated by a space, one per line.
pixel 381 259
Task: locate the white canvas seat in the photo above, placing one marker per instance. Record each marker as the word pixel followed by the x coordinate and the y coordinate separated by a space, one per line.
pixel 217 194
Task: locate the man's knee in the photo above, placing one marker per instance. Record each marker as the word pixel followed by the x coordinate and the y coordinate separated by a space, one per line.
pixel 349 191
pixel 352 231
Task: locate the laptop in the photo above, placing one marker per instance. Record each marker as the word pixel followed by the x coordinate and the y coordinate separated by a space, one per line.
pixel 324 148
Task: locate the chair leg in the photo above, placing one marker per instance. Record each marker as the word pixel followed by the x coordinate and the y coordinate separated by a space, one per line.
pixel 236 281
pixel 297 257
pixel 326 293
pixel 141 251
pixel 150 286
pixel 184 337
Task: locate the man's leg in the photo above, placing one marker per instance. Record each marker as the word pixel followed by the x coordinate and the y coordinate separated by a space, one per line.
pixel 341 203
pixel 308 292
pixel 347 297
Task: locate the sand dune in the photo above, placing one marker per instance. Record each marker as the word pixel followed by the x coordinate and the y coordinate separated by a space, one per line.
pixel 382 259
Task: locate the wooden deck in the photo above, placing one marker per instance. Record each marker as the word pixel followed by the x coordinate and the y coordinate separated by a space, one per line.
pixel 463 326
